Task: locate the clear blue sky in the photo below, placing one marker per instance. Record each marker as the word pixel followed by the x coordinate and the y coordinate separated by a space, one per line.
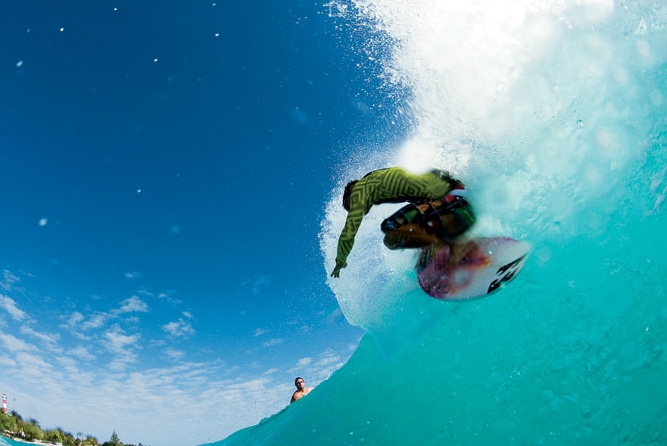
pixel 164 169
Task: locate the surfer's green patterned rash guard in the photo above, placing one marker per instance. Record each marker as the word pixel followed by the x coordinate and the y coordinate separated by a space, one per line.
pixel 391 185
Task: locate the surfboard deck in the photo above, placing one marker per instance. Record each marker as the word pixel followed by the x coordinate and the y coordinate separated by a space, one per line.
pixel 471 269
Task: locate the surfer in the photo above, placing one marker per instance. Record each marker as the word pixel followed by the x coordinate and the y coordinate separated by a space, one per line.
pixel 301 389
pixel 437 213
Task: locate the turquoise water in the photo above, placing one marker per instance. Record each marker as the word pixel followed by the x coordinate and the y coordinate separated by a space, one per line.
pixel 9 442
pixel 554 114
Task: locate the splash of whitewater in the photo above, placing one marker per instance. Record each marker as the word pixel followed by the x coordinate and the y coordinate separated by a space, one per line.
pixel 545 109
pixel 553 113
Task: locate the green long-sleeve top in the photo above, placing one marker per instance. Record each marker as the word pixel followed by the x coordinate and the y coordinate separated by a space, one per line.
pixel 391 185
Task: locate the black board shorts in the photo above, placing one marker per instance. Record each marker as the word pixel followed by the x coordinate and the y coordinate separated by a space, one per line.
pixel 446 219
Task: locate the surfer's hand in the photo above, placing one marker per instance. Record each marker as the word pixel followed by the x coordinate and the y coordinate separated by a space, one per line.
pixel 336 272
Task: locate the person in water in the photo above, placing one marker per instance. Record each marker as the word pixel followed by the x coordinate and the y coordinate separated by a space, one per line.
pixel 301 389
pixel 438 211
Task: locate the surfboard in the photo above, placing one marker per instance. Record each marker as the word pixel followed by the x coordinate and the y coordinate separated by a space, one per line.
pixel 471 269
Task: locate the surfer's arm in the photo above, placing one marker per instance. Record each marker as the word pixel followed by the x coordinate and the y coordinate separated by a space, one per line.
pixel 346 239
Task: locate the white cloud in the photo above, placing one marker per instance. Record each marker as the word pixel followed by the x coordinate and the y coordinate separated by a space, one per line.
pixel 76 321
pixel 161 296
pixel 121 363
pixel 67 364
pixel 81 352
pixel 133 305
pixel 95 321
pixel 122 346
pixel 272 342
pixel 172 353
pixel 179 328
pixel 51 339
pixel 260 332
pixel 13 344
pixel 326 363
pixel 75 318
pixel 320 367
pixel 118 341
pixel 304 362
pixel 9 305
pixel 6 363
pixel 34 363
pixel 8 280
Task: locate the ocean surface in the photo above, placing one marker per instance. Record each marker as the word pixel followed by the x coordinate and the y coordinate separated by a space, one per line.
pixel 554 114
pixel 9 442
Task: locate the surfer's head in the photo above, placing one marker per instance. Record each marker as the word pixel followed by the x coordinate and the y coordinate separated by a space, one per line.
pixel 347 193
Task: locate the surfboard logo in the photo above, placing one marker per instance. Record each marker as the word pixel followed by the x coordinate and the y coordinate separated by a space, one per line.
pixel 506 273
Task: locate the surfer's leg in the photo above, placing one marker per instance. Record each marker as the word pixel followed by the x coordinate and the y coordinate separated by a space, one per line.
pixel 407 228
pixel 451 220
pixel 432 274
pixel 403 216
pixel 427 254
pixel 441 257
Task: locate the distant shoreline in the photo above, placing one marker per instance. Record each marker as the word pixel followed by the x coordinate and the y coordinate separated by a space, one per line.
pixel 20 440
